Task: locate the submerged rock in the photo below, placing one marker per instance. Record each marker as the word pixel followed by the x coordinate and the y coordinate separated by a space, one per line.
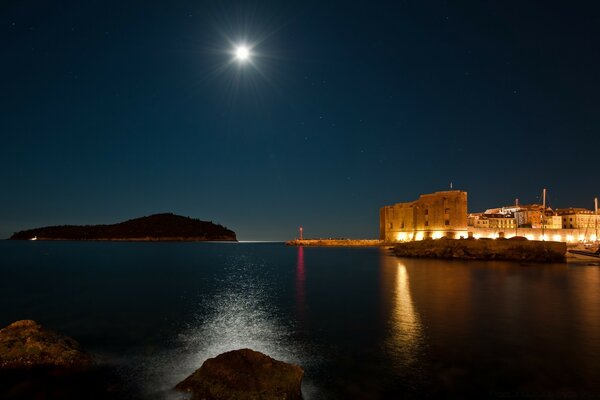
pixel 245 375
pixel 25 344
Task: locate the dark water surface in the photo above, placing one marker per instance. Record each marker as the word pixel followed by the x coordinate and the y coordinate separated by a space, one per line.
pixel 363 324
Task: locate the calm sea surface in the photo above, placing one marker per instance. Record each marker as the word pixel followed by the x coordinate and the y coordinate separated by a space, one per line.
pixel 362 323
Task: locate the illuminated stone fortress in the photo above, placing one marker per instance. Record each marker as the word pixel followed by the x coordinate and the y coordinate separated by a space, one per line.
pixel 431 216
pixel 444 214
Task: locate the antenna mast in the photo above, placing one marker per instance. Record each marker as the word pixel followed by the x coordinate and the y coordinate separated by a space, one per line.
pixel 543 213
pixel 596 216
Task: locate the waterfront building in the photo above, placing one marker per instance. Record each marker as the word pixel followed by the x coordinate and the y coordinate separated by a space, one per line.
pixel 529 216
pixel 433 216
pixel 523 216
pixel 444 214
pixel 552 222
pixel 478 220
pixel 501 221
pixel 578 218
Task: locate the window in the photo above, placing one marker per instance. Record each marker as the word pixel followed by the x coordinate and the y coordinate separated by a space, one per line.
pixel 447 222
pixel 426 223
pixel 426 211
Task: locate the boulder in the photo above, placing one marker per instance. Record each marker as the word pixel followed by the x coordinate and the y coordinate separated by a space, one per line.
pixel 25 344
pixel 40 364
pixel 244 375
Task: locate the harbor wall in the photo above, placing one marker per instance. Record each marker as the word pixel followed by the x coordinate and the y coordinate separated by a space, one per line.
pixel 336 242
pixel 484 249
pixel 555 235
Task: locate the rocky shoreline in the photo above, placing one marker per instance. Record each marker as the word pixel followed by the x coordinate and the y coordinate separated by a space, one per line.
pixel 36 363
pixel 522 250
pixel 485 249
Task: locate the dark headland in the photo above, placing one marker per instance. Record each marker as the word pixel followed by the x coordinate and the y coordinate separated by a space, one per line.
pixel 158 227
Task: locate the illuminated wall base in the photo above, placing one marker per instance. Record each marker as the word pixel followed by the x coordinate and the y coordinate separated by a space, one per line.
pixel 555 235
pixel 421 235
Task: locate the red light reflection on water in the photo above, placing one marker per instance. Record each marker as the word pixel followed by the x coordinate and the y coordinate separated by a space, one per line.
pixel 300 280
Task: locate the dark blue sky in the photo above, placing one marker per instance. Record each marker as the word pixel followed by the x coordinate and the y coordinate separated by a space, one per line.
pixel 114 110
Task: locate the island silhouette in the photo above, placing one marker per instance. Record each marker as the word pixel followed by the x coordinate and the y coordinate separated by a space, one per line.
pixel 157 227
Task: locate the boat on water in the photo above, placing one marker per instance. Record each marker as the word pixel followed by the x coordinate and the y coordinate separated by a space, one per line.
pixel 33 238
pixel 585 251
pixel 585 254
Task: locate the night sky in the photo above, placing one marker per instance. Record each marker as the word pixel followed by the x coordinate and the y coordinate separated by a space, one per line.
pixel 115 110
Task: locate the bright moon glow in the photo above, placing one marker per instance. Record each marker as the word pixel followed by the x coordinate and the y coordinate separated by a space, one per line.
pixel 242 53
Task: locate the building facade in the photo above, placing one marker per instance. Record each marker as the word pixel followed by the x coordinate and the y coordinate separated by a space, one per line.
pixel 433 215
pixel 501 221
pixel 579 218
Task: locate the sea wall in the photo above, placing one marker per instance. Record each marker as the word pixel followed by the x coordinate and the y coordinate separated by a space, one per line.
pixel 336 242
pixel 555 235
pixel 484 249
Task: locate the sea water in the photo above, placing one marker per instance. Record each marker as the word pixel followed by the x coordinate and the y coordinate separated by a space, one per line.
pixel 362 323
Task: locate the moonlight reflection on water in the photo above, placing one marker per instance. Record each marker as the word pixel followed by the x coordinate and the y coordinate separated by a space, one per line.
pixel 240 316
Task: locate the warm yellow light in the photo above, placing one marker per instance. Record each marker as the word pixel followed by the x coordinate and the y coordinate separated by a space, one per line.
pixel 477 236
pixel 402 236
pixel 405 321
pixel 593 237
pixel 529 237
pixel 570 238
pixel 419 236
pixel 437 235
pixel 557 238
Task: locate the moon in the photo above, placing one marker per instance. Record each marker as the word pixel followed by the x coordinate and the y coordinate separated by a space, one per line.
pixel 242 53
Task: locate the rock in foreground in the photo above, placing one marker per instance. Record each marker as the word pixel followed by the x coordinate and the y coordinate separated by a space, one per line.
pixel 244 375
pixel 39 364
pixel 25 344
